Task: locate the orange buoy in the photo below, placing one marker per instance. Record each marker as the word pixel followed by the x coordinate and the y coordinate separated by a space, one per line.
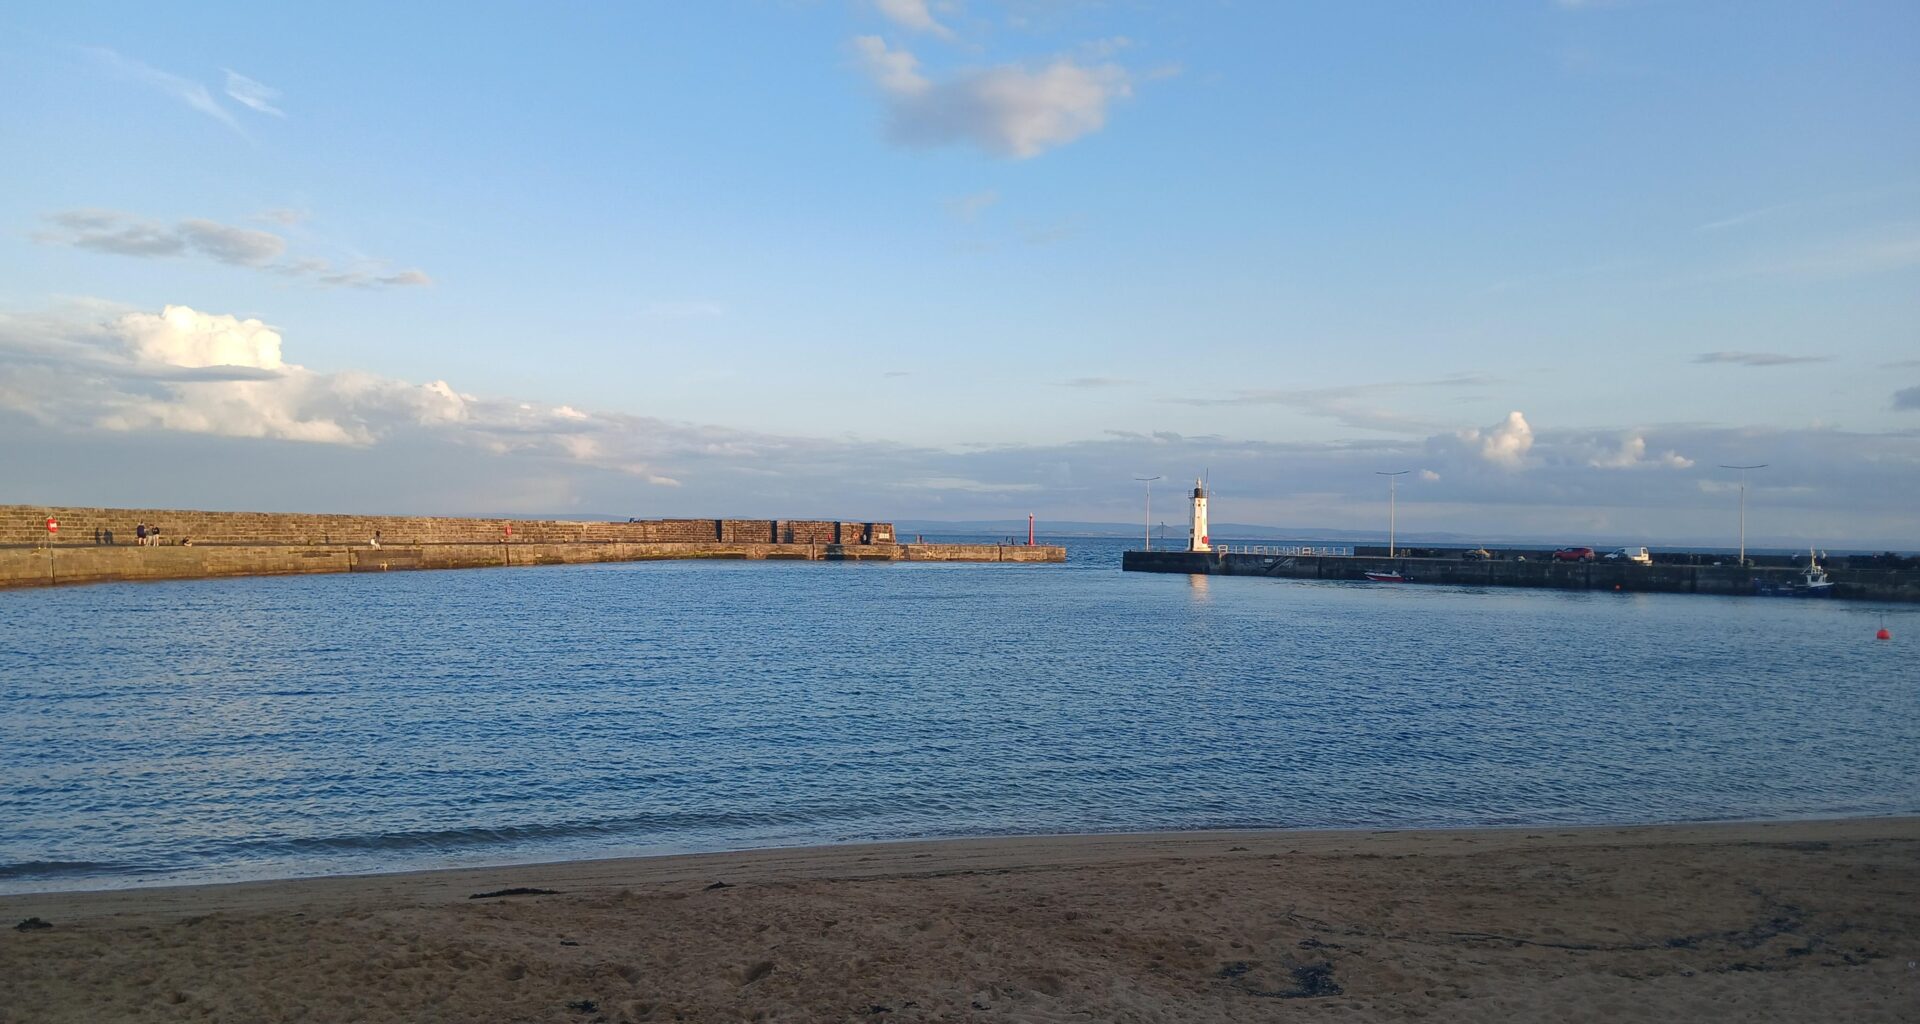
pixel 1884 634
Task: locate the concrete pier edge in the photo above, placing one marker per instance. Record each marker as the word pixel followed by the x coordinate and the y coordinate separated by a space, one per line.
pixel 1856 584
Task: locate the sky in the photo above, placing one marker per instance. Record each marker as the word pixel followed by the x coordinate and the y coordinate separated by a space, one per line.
pixel 1560 260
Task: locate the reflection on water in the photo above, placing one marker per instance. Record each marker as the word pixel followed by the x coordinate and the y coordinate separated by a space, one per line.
pixel 261 727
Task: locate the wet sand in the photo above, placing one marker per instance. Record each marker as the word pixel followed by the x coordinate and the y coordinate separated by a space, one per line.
pixel 1791 921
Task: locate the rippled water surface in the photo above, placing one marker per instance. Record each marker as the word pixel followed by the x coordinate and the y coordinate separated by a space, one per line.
pixel 272 727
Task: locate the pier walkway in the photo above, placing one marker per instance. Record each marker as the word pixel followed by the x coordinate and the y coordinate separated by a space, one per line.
pixel 1859 584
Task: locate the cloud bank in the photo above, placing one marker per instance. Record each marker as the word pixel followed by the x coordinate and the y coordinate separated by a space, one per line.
pixel 1757 358
pixel 109 405
pixel 186 371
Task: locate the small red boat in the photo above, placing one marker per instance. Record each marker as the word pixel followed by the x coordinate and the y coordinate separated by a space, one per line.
pixel 1385 577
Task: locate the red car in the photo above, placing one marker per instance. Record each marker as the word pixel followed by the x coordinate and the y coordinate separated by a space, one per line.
pixel 1573 555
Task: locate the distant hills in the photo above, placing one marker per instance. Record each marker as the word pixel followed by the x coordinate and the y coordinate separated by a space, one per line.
pixel 1233 531
pixel 1176 532
pixel 1228 532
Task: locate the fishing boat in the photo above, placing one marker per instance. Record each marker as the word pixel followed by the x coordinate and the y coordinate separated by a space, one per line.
pixel 1810 582
pixel 1386 577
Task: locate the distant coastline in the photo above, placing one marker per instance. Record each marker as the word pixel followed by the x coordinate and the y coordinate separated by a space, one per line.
pixel 1318 535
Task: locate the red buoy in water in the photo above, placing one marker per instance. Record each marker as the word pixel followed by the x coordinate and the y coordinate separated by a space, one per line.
pixel 1884 634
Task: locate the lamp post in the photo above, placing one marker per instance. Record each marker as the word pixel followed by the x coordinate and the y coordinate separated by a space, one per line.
pixel 1743 506
pixel 1148 480
pixel 1393 502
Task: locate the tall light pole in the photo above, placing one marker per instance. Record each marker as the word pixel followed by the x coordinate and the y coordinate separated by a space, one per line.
pixel 1148 480
pixel 1393 502
pixel 1743 506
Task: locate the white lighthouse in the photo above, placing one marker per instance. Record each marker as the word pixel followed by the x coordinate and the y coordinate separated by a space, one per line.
pixel 1197 539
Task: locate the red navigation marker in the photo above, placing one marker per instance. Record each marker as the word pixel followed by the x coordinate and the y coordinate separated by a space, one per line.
pixel 1884 634
pixel 53 525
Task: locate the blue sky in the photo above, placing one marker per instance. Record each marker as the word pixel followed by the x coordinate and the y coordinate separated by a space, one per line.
pixel 957 259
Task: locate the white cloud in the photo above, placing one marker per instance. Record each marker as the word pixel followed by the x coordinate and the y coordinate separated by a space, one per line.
pixel 107 231
pixel 186 90
pixel 1632 454
pixel 252 94
pixel 1505 443
pixel 294 404
pixel 180 336
pixel 896 72
pixel 124 234
pixel 912 15
pixel 367 278
pixel 1008 111
pixel 1429 476
pixel 184 371
pixel 238 246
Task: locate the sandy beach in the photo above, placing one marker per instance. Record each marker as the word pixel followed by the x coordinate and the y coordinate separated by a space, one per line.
pixel 1789 921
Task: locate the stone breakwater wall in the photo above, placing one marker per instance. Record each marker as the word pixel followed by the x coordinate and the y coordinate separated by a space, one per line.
pixel 267 544
pixel 1859 584
pixel 26 525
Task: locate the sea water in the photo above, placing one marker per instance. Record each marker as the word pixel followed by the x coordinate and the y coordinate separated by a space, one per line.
pixel 272 727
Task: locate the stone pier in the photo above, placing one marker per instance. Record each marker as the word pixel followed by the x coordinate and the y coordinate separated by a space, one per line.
pixel 94 545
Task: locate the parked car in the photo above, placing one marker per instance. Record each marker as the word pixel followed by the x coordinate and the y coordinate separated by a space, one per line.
pixel 1477 555
pixel 1638 556
pixel 1573 555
